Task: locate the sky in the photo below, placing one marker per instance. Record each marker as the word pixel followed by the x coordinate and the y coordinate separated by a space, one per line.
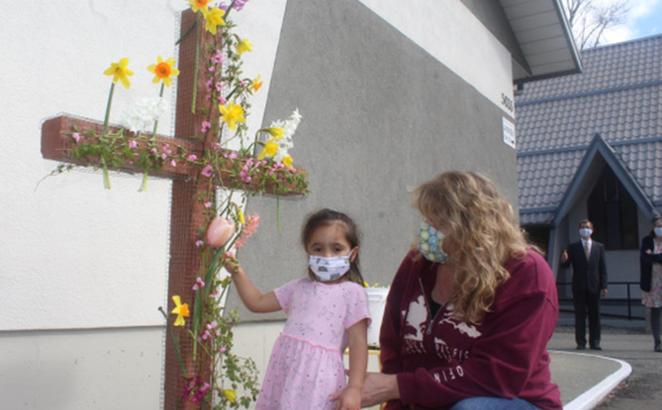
pixel 644 19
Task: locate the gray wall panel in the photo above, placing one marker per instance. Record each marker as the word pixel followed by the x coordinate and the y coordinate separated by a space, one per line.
pixel 379 115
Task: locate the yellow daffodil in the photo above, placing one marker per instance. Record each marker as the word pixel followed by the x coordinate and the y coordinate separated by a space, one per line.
pixel 199 5
pixel 164 70
pixel 120 72
pixel 240 216
pixel 269 149
pixel 365 284
pixel 256 84
pixel 181 310
pixel 276 132
pixel 213 19
pixel 232 114
pixel 244 46
pixel 287 160
pixel 230 395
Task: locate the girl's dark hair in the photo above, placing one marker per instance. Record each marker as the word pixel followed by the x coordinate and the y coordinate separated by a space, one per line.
pixel 326 217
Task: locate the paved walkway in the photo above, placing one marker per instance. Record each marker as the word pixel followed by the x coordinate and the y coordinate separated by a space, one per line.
pixel 642 390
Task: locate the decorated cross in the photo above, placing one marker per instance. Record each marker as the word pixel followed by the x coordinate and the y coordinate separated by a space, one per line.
pixel 197 164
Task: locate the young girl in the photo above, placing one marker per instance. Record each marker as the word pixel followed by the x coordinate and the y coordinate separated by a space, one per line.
pixel 326 312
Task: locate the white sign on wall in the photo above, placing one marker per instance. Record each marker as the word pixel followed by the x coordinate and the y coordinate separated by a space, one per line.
pixel 509 133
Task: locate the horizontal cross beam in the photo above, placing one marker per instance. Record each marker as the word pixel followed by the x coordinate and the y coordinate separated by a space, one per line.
pixel 57 144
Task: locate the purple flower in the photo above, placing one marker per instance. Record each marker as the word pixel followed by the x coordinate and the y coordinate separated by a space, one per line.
pixel 219 86
pixel 206 125
pixel 133 144
pixel 191 157
pixel 207 171
pixel 239 4
pixel 199 243
pixel 233 155
pixel 77 137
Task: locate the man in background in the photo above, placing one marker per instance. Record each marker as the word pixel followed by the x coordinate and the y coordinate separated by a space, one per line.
pixel 589 283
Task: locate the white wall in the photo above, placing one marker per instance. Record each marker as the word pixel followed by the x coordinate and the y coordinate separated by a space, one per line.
pixel 82 269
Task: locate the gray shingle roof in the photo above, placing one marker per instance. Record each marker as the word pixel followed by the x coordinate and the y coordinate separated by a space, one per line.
pixel 619 96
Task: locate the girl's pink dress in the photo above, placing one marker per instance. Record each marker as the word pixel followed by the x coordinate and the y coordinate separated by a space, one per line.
pixel 306 364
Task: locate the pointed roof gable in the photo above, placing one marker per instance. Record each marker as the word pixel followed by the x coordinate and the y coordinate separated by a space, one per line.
pixel 599 148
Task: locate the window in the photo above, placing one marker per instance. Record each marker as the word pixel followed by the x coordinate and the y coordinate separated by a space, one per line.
pixel 613 213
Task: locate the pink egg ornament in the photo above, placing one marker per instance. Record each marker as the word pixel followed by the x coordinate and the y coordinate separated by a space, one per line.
pixel 220 230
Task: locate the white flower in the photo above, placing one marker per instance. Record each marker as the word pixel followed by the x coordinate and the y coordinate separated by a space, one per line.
pixel 141 116
pixel 289 127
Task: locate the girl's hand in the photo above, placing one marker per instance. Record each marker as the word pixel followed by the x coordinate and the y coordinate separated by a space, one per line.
pixel 231 264
pixel 348 399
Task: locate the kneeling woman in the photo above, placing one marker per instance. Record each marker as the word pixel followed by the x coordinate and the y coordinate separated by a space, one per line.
pixel 470 311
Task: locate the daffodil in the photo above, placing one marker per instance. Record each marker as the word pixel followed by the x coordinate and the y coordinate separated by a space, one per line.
pixel 287 160
pixel 269 149
pixel 181 310
pixel 199 5
pixel 232 114
pixel 120 72
pixel 240 216
pixel 276 132
pixel 163 70
pixel 213 19
pixel 230 395
pixel 244 46
pixel 256 84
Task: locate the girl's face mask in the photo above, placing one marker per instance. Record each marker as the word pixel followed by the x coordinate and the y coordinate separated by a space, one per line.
pixel 329 268
pixel 430 241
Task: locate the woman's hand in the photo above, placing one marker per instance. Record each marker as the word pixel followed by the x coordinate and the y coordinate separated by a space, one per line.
pixel 348 399
pixel 377 388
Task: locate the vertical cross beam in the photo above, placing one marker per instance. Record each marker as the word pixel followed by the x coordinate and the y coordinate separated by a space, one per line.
pixel 187 211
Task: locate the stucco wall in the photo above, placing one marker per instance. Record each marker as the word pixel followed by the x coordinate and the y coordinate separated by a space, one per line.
pixel 381 114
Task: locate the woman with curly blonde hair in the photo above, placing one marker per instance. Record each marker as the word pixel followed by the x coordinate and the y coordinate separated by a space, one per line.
pixel 470 310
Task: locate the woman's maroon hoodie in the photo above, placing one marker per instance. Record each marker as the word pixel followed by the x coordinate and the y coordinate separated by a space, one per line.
pixel 440 360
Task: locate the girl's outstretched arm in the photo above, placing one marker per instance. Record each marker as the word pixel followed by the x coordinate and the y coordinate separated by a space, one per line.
pixel 254 300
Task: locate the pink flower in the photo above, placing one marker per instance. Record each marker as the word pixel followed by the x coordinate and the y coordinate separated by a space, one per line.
pixel 154 152
pixel 211 68
pixel 233 155
pixel 219 86
pixel 222 349
pixel 207 171
pixel 199 243
pixel 252 222
pixel 206 125
pixel 191 157
pixel 207 204
pixel 215 146
pixel 217 57
pixel 173 163
pixel 199 284
pixel 77 137
pixel 221 99
pixel 220 230
pixel 133 144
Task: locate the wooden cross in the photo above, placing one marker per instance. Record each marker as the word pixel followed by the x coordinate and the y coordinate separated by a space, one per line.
pixel 187 211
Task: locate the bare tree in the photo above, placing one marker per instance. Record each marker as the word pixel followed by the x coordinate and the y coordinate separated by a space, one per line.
pixel 590 18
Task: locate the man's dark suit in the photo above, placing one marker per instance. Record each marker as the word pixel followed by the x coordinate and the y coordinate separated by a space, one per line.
pixel 589 277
